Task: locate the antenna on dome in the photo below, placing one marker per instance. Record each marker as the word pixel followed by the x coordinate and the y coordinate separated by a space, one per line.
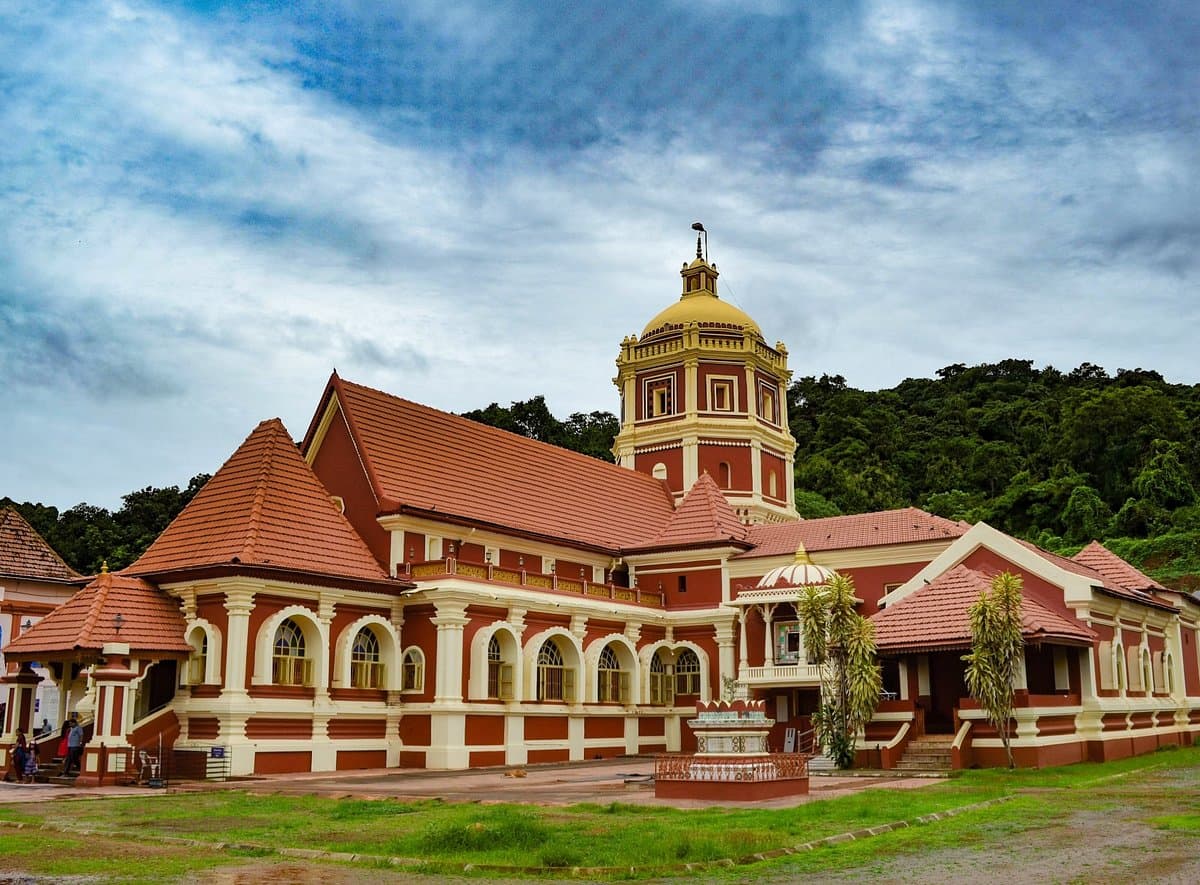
pixel 699 229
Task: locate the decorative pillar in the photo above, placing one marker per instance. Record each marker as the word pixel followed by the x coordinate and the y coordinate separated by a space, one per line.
pixel 448 725
pixel 768 639
pixel 691 386
pixel 725 665
pixel 238 605
pixel 108 755
pixel 743 650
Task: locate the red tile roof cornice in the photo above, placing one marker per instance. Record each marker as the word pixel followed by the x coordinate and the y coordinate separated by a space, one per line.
pixel 882 528
pixel 25 554
pixel 937 617
pixel 263 509
pixel 151 623
pixel 420 459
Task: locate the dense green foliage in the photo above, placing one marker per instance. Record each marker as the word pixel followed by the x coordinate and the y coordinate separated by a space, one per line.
pixel 87 536
pixel 591 433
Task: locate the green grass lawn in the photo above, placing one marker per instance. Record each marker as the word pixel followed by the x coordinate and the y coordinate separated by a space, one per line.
pixel 583 835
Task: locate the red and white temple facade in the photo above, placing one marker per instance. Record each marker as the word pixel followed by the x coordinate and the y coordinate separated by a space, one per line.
pixel 405 587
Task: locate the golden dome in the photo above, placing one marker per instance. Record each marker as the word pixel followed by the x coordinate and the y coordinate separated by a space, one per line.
pixel 703 308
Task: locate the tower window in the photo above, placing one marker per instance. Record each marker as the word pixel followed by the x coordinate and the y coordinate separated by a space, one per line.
pixel 660 396
pixel 766 404
pixel 773 484
pixel 725 475
pixel 659 471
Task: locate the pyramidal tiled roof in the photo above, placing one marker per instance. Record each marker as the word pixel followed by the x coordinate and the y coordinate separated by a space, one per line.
pixel 25 554
pixel 906 526
pixel 1100 559
pixel 264 507
pixel 1098 578
pixel 703 517
pixel 150 621
pixel 937 616
pixel 423 459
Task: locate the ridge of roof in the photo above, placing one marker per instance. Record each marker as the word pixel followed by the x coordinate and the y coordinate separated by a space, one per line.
pixel 25 553
pixel 150 621
pixel 428 460
pixel 906 525
pixel 263 507
pixel 1100 580
pixel 1112 567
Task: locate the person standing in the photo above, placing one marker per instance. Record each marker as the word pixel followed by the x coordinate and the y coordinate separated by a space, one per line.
pixel 74 747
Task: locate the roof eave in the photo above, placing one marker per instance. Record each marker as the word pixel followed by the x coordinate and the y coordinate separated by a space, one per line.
pixel 298 576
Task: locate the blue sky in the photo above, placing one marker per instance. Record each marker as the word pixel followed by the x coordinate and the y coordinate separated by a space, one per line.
pixel 206 207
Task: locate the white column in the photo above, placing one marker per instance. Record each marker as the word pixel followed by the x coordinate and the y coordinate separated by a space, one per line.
pixel 725 665
pixel 743 649
pixel 238 605
pixel 768 612
pixel 450 619
pixel 691 386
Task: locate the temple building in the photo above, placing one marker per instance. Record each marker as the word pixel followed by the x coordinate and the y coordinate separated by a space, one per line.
pixel 405 587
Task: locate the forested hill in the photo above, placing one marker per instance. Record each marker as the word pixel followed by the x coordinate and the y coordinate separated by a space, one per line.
pixel 1057 457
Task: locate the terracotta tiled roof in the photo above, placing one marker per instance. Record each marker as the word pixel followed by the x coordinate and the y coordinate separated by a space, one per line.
pixel 151 622
pixel 424 460
pixel 264 507
pixel 907 526
pixel 1098 579
pixel 703 517
pixel 936 617
pixel 1114 569
pixel 25 554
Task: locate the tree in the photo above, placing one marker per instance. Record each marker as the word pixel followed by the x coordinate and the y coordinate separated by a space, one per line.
pixel 842 644
pixel 997 651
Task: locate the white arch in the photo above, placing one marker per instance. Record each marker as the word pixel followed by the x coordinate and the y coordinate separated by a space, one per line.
pixel 648 651
pixel 627 656
pixel 418 657
pixel 572 658
pixel 316 644
pixel 389 651
pixel 510 653
pixel 212 663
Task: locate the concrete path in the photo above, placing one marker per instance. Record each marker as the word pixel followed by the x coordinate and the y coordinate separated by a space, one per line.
pixel 599 782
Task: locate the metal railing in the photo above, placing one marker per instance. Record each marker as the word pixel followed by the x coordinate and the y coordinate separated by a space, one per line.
pixel 768 767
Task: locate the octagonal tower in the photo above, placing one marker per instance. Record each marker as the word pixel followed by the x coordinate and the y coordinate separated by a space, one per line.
pixel 702 391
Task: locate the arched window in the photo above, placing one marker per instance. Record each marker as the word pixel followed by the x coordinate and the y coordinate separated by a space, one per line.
pixel 772 484
pixel 500 674
pixel 556 682
pixel 659 471
pixel 290 666
pixel 1147 670
pixel 198 661
pixel 413 670
pixel 366 669
pixel 612 681
pixel 687 673
pixel 1118 665
pixel 725 475
pixel 661 688
pixel 1168 673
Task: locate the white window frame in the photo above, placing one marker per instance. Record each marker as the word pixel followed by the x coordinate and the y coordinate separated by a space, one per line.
pixel 710 401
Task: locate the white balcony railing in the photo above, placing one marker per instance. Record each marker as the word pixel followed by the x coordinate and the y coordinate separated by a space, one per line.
pixel 783 674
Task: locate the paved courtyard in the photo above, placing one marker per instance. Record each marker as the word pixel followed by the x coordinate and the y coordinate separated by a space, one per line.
pixel 600 782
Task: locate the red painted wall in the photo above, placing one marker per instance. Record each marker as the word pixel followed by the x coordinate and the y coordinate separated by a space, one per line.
pixel 672 458
pixel 338 467
pixel 709 459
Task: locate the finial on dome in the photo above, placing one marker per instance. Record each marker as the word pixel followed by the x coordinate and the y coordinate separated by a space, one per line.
pixel 104 567
pixel 699 229
pixel 802 557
